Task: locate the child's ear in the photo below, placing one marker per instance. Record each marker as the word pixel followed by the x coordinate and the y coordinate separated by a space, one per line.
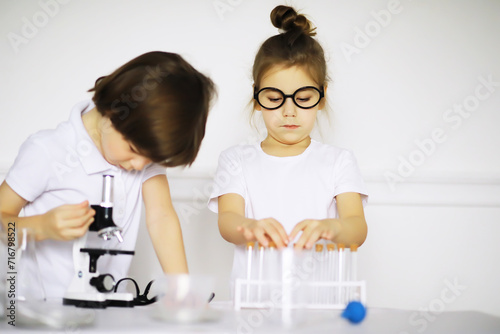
pixel 323 100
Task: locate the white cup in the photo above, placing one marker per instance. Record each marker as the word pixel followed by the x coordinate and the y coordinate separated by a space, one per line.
pixel 183 298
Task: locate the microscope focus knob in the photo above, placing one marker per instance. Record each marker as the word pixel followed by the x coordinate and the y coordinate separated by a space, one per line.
pixel 103 283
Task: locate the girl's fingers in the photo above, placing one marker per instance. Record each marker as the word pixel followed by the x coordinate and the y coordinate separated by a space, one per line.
pixel 300 243
pixel 282 233
pixel 296 229
pixel 277 236
pixel 309 236
pixel 313 237
pixel 261 237
pixel 263 231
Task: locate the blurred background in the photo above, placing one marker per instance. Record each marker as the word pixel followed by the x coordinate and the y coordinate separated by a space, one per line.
pixel 415 93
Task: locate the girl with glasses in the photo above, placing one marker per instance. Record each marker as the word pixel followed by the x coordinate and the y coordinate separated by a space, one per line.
pixel 288 190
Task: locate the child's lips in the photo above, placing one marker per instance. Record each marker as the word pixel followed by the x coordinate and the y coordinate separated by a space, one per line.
pixel 291 126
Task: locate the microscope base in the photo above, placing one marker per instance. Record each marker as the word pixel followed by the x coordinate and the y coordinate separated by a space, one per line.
pixel 99 300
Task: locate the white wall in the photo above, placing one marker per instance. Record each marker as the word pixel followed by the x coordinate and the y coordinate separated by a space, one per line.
pixel 410 96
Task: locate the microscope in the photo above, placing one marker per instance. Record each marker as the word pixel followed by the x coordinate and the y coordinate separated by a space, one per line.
pixel 89 288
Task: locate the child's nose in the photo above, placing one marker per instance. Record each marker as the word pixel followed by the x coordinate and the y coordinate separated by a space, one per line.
pixel 289 108
pixel 139 163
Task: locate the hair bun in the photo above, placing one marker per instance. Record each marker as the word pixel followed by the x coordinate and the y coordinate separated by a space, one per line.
pixel 288 20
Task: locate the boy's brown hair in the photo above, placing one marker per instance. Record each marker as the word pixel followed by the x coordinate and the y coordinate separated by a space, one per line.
pixel 159 103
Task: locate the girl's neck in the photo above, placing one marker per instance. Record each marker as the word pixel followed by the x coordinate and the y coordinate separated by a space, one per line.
pixel 278 149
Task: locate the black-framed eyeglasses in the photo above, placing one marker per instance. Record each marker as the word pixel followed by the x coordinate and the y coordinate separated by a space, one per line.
pixel 305 97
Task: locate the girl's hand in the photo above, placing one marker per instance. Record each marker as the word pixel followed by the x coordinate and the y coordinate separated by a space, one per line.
pixel 67 222
pixel 263 231
pixel 313 230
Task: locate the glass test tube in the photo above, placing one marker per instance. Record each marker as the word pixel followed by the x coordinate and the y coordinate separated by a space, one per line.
pixel 303 273
pixel 271 271
pixel 249 253
pixel 318 272
pixel 354 262
pixel 347 274
pixel 332 266
pixel 286 276
pixel 340 272
pixel 354 269
pixel 260 271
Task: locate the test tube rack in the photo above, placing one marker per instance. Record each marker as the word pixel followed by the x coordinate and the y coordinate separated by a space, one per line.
pixel 324 277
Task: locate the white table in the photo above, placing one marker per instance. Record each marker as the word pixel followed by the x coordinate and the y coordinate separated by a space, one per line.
pixel 224 319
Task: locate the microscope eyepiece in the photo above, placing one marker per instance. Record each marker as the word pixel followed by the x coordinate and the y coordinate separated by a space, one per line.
pixel 107 191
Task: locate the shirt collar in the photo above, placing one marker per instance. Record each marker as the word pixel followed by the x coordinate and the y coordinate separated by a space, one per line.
pixel 91 159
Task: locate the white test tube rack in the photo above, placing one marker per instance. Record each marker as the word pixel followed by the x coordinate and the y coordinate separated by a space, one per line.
pixel 322 278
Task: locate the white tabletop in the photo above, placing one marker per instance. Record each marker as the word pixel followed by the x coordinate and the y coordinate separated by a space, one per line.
pixel 222 318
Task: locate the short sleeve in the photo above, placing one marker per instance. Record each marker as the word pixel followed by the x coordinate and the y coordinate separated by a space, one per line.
pixel 153 170
pixel 228 178
pixel 347 176
pixel 30 174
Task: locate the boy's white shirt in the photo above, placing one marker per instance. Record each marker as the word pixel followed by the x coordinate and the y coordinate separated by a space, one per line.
pixel 289 189
pixel 63 166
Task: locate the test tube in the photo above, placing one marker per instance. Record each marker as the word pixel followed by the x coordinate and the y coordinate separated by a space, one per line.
pixel 354 262
pixel 260 272
pixel 347 273
pixel 272 274
pixel 331 265
pixel 303 265
pixel 340 272
pixel 286 277
pixel 318 272
pixel 249 251
pixel 354 268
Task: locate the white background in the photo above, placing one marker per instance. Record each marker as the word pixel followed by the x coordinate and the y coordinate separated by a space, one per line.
pixel 401 70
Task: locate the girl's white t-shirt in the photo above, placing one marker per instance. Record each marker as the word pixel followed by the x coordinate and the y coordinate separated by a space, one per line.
pixel 289 189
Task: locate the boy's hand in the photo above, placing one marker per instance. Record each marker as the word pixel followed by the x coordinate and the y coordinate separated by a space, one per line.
pixel 313 230
pixel 67 222
pixel 263 231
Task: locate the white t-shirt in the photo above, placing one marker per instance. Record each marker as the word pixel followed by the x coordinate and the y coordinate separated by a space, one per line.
pixel 289 189
pixel 63 166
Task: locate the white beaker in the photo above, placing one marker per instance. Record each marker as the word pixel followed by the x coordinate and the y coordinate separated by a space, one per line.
pixel 20 280
pixel 29 281
pixel 22 298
